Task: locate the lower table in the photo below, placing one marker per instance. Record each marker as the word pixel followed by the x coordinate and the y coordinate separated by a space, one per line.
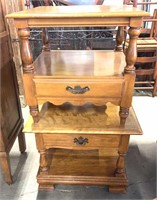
pixel 82 145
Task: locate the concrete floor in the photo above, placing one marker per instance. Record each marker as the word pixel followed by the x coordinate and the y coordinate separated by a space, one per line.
pixel 140 164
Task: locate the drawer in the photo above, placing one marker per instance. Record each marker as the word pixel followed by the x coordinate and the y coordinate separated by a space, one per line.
pixel 92 88
pixel 72 141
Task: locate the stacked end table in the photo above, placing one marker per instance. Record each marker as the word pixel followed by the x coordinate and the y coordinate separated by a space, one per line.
pixel 82 130
pixel 82 145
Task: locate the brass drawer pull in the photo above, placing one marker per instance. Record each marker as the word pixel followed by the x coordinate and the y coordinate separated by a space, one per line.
pixel 77 89
pixel 81 141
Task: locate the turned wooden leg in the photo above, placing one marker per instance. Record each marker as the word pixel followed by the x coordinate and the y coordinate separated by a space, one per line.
pixel 43 161
pixel 28 72
pixel 45 40
pixel 26 53
pixel 120 165
pixel 122 150
pixel 5 163
pixel 22 142
pixel 131 54
pixel 123 113
pixel 120 169
pixel 129 75
pixel 119 39
pixel 34 111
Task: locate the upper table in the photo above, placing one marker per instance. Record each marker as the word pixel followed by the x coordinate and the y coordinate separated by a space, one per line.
pixel 92 86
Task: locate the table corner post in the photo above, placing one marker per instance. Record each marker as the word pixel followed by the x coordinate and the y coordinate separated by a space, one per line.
pixel 28 72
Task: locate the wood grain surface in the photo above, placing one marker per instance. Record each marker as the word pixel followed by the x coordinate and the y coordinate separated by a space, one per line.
pixel 79 11
pixel 80 63
pixel 87 119
pixel 81 168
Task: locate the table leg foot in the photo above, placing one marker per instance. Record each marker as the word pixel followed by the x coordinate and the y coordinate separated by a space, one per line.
pixel 117 189
pixel 46 187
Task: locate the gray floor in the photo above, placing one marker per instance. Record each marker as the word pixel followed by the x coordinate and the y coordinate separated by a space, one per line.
pixel 140 164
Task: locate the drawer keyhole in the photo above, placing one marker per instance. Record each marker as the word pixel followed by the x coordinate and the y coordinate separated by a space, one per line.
pixel 77 89
pixel 81 141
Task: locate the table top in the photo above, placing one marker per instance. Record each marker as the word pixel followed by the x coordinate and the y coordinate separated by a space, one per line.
pixel 86 119
pixel 79 16
pixel 79 12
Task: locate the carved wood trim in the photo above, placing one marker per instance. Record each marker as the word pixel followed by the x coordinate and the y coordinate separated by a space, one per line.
pixel 79 102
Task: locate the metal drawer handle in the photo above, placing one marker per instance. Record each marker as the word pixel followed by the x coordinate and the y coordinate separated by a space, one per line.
pixel 81 141
pixel 77 89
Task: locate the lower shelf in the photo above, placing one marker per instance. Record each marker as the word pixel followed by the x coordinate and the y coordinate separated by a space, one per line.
pixel 81 168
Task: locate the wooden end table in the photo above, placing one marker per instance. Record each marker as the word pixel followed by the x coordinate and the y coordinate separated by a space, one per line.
pixel 76 16
pixel 82 145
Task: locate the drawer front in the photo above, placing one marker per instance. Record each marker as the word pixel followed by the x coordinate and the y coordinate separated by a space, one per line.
pixel 100 88
pixel 72 141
